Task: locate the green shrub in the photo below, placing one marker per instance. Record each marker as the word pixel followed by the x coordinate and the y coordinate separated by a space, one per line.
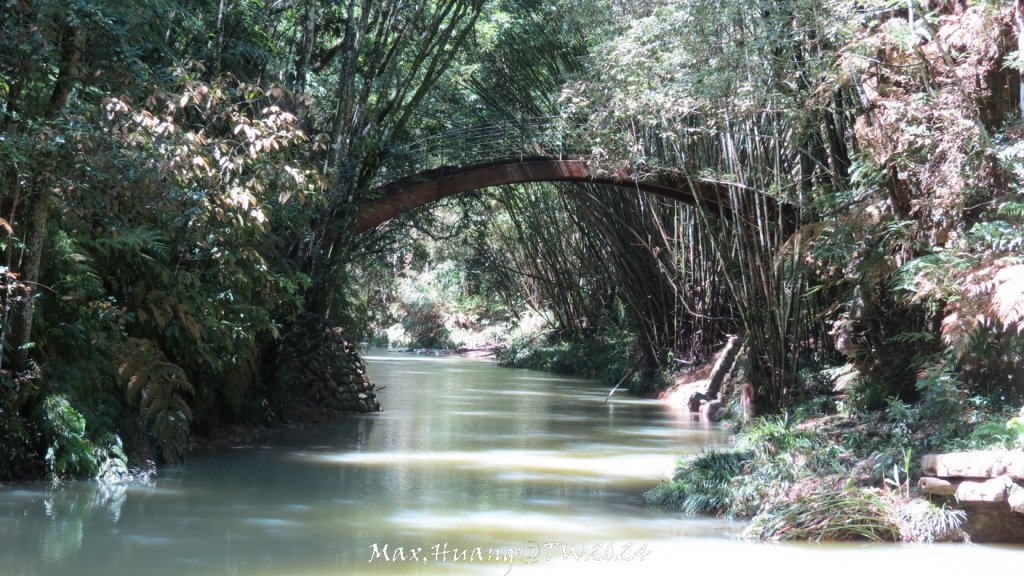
pixel 160 391
pixel 69 452
pixel 111 458
pixel 609 359
pixel 424 324
pixel 998 434
pixel 18 456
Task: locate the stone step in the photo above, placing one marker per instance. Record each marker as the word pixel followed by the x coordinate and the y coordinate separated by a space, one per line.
pixel 997 489
pixel 980 464
pixel 937 486
pixel 994 490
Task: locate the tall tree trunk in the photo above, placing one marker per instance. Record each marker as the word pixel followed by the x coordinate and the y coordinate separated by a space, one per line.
pixel 1019 13
pixel 305 55
pixel 218 49
pixel 70 53
pixel 24 309
pixel 72 40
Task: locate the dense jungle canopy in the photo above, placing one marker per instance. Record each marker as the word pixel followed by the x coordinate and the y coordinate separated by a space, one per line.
pixel 177 179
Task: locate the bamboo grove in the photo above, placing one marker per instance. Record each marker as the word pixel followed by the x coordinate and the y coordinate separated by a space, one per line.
pixel 807 104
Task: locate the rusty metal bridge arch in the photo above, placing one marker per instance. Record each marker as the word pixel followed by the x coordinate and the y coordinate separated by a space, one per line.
pixel 542 149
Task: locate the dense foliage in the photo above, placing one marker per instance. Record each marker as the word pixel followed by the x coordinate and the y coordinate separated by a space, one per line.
pixel 177 178
pixel 811 478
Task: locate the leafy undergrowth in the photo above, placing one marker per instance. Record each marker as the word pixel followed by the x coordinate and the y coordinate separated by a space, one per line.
pixel 832 478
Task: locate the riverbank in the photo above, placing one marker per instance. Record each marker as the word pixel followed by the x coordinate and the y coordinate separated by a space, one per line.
pixel 485 351
pixel 610 359
pixel 820 472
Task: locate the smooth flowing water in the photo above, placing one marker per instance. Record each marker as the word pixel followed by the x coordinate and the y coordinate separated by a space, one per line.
pixel 470 469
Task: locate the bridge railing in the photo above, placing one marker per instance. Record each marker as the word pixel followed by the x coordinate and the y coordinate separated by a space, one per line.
pixel 536 136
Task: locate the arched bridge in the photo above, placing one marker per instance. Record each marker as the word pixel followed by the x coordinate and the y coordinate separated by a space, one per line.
pixel 534 150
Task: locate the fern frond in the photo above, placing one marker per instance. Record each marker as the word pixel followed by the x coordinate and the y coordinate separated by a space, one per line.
pixel 159 389
pixel 1012 209
pixel 144 241
pixel 1008 297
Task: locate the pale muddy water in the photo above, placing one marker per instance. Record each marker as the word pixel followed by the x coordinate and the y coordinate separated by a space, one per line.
pixel 471 469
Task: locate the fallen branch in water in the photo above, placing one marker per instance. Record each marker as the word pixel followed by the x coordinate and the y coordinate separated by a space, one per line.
pixel 628 374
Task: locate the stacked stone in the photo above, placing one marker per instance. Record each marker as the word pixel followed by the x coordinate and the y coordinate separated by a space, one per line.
pixel 357 392
pixel 987 484
pixel 326 376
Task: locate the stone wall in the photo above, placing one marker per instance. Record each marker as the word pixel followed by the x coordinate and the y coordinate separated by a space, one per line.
pixel 988 485
pixel 320 374
pixel 352 390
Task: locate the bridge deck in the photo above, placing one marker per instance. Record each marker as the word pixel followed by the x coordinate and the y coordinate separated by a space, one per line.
pixel 433 185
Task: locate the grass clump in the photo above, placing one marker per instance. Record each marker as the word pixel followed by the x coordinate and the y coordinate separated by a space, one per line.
pixel 701 485
pixel 850 514
pixel 858 513
pixel 922 521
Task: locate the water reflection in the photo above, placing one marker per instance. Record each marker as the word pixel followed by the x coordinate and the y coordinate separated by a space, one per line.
pixel 466 455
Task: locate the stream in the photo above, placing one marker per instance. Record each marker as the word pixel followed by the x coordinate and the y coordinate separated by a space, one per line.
pixel 471 469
